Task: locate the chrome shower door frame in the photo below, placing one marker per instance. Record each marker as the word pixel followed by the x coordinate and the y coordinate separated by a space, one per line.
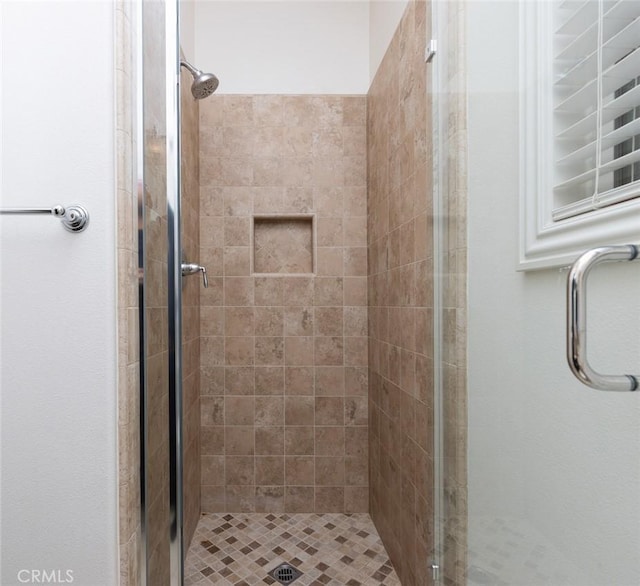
pixel 174 293
pixel 174 273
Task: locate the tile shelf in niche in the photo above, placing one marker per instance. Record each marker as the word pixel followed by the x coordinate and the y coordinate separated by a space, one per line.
pixel 283 244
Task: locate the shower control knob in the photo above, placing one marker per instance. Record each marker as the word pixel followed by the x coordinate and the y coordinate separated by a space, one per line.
pixel 205 281
pixel 189 268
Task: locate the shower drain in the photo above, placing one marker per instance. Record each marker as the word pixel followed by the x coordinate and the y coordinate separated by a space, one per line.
pixel 285 573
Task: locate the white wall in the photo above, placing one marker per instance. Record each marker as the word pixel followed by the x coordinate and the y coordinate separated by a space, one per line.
pixel 284 47
pixel 58 391
pixel 188 28
pixel 290 46
pixel 554 467
pixel 384 17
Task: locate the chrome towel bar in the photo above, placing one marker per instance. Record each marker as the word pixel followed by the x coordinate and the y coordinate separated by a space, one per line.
pixel 74 217
pixel 577 318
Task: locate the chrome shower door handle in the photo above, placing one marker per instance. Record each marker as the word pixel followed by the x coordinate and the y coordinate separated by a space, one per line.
pixel 192 269
pixel 577 319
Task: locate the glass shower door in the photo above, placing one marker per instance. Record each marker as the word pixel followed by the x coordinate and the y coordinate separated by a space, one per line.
pixel 539 475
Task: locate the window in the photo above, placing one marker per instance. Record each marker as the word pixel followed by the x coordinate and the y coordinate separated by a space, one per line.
pixel 581 124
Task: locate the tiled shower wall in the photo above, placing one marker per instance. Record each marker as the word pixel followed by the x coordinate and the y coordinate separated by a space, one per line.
pixel 190 216
pixel 284 356
pixel 401 299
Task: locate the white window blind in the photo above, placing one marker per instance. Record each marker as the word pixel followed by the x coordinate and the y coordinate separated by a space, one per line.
pixel 596 101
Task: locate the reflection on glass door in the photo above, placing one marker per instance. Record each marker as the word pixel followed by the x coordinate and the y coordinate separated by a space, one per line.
pixel 538 474
pixel 154 299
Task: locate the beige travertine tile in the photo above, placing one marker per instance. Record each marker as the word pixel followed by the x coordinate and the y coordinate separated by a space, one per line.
pixel 356 471
pixel 298 141
pixel 355 351
pixel 355 291
pixel 269 412
pixel 269 291
pixel 212 469
pixel 269 321
pixel 269 441
pixel 298 200
pixel 354 111
pixel 298 321
pixel 328 291
pixel 355 231
pixel 330 262
pixel 328 201
pixel 240 498
pixel 238 291
pixel 238 200
pixel 297 111
pixel 239 321
pixel 269 499
pixel 237 111
pixel 270 470
pixel 330 472
pixel 299 410
pixel 298 290
pixel 326 548
pixel 299 380
pixel 283 246
pixel 299 498
pixel 212 410
pixel 212 440
pixel 269 351
pixel 239 471
pixel 329 441
pixel 269 380
pixel 262 340
pixel 239 410
pixel 239 351
pixel 355 261
pixel 212 380
pixel 298 351
pixel 211 114
pixel 238 441
pixel 236 231
pixel 330 232
pixel 329 351
pixel 328 321
pixel 355 320
pixel 300 470
pixel 330 381
pixel 298 440
pixel 268 111
pixel 400 300
pixel 329 499
pixel 239 380
pixel 329 411
pixel 266 199
pixel 356 381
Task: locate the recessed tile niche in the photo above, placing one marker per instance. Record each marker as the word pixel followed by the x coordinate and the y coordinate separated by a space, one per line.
pixel 283 244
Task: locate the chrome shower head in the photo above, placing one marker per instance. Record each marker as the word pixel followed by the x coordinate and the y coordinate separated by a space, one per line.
pixel 204 84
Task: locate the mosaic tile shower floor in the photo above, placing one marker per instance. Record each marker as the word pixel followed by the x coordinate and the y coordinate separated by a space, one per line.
pixel 330 550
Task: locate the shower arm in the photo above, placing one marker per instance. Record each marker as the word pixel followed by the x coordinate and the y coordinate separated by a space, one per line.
pixel 195 72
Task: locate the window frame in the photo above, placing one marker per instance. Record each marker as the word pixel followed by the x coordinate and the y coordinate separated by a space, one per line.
pixel 543 242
